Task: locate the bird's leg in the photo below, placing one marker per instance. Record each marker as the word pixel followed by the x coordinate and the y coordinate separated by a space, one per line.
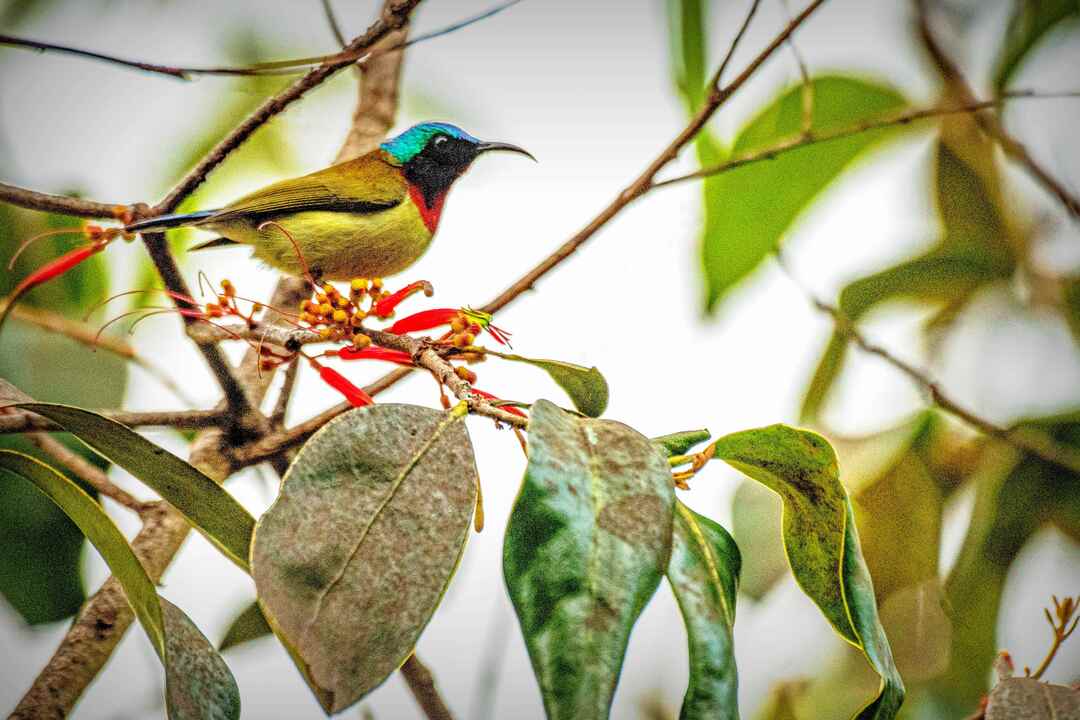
pixel 384 305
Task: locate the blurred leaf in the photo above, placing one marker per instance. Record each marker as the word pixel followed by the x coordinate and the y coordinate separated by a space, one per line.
pixel 249 625
pixel 782 701
pixel 586 387
pixel 758 532
pixel 821 541
pixel 198 683
pixel 680 443
pixel 1071 297
pixel 751 208
pixel 357 551
pixel 921 630
pixel 40 546
pixel 686 21
pixel 704 575
pixel 975 249
pixel 1031 21
pixel 205 504
pixel 587 543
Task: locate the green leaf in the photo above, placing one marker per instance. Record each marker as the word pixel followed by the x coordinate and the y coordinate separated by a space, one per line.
pixel 102 532
pixel 680 443
pixel 821 541
pixel 749 209
pixel 205 504
pixel 587 543
pixel 586 387
pixel 1031 21
pixel 249 625
pixel 355 554
pixel 757 529
pixel 198 682
pixel 686 27
pixel 704 575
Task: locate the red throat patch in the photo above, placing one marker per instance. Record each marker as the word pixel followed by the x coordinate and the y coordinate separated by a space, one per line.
pixel 430 215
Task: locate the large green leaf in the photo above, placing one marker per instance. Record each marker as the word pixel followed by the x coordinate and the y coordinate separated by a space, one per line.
pixel 586 387
pixel 355 554
pixel 821 541
pixel 206 505
pixel 704 575
pixel 680 443
pixel 587 543
pixel 198 682
pixel 1031 21
pixel 749 209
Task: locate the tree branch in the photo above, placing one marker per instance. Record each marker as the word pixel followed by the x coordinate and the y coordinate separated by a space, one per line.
pixel 19 422
pixel 86 471
pixel 990 123
pixel 33 200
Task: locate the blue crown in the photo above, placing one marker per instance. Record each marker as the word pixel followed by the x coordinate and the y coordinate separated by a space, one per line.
pixel 410 143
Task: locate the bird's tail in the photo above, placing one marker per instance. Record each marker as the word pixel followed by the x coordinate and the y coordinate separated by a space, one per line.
pixel 164 222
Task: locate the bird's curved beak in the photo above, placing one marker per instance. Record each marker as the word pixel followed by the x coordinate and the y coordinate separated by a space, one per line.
pixel 507 147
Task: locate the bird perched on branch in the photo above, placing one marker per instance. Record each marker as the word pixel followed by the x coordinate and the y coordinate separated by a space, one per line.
pixel 368 217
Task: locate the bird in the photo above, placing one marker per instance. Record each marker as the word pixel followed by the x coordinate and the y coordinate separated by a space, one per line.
pixel 373 216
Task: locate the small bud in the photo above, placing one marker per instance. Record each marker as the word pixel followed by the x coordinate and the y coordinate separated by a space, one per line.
pixel 325 309
pixel 321 299
pixel 465 374
pixel 376 283
pixel 342 301
pixel 469 339
pixel 340 316
pixel 360 341
pixel 445 401
pixel 457 324
pixel 358 285
pixel 325 333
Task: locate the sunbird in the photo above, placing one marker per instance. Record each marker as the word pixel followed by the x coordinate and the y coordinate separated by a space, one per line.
pixel 369 217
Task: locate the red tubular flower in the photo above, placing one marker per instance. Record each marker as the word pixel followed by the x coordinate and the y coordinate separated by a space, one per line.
pixel 373 353
pixel 424 320
pixel 508 408
pixel 50 270
pixel 384 307
pixel 356 396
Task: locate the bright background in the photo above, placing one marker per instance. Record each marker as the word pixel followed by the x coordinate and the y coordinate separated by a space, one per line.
pixel 586 87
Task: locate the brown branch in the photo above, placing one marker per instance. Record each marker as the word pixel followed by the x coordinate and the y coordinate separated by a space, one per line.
pixel 1064 610
pixel 1031 441
pixel 86 471
pixel 422 685
pixel 332 21
pixel 715 82
pixel 988 122
pixel 643 183
pixel 33 200
pixel 20 422
pixel 394 15
pixel 806 139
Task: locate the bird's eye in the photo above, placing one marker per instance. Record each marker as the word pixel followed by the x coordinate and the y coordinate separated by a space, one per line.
pixel 439 140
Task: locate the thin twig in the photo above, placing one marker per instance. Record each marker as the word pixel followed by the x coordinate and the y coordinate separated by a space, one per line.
pixel 332 21
pixel 644 182
pixel 277 415
pixel 422 685
pixel 86 471
pixel 715 83
pixel 806 139
pixel 20 422
pixel 393 18
pixel 1031 441
pixel 1064 610
pixel 990 123
pixel 33 200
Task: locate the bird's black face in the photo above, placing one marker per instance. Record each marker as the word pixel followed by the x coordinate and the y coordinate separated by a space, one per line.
pixel 443 159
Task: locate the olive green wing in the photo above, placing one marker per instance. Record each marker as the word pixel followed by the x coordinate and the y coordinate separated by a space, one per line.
pixel 365 185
